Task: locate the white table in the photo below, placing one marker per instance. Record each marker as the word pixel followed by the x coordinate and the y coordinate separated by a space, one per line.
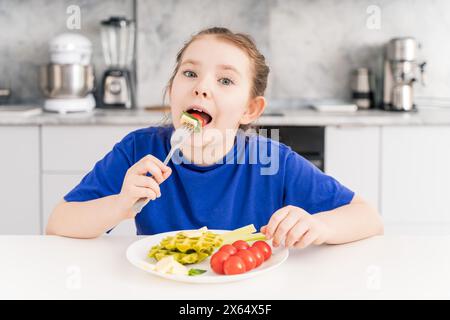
pixel 47 267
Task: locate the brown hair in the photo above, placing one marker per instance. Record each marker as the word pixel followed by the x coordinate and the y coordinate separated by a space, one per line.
pixel 260 70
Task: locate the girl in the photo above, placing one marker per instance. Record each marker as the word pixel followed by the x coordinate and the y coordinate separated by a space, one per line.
pixel 214 180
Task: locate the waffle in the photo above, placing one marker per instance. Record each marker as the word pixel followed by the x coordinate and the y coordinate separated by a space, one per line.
pixel 186 250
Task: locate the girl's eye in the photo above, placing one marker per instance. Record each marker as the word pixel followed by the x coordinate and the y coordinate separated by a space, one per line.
pixel 189 74
pixel 226 81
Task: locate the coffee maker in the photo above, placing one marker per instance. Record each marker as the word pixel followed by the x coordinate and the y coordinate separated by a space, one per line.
pixel 118 90
pixel 400 69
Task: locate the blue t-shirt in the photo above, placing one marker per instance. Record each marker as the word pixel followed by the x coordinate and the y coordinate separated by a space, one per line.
pixel 254 179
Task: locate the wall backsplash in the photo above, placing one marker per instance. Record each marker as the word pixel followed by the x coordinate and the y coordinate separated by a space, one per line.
pixel 311 46
pixel 28 25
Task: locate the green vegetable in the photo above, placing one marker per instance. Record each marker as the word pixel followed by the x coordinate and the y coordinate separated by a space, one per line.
pixel 196 272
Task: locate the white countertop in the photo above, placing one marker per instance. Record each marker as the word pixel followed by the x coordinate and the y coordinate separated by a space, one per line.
pixel 290 117
pixel 385 267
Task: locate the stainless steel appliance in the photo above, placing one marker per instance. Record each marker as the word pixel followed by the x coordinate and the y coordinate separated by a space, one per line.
pixel 308 141
pixel 68 80
pixel 362 88
pixel 118 34
pixel 400 74
pixel 5 94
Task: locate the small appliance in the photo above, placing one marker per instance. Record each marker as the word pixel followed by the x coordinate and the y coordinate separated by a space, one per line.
pixel 118 36
pixel 68 80
pixel 400 73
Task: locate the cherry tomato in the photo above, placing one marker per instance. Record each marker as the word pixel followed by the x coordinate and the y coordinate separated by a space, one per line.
pixel 248 257
pixel 258 255
pixel 217 261
pixel 234 265
pixel 264 247
pixel 240 245
pixel 229 249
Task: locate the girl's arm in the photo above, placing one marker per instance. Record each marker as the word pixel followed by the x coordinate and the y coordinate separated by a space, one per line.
pixel 355 221
pixel 90 219
pixel 295 227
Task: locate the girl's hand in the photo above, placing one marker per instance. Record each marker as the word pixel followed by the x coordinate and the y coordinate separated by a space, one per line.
pixel 295 227
pixel 137 184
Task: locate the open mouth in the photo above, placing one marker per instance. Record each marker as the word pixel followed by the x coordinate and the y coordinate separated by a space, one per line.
pixel 200 114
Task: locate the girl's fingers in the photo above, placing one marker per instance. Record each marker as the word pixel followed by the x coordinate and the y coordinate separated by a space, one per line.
pixel 308 238
pixel 148 182
pixel 153 165
pixel 167 173
pixel 156 161
pixel 142 192
pixel 283 228
pixel 296 233
pixel 275 219
pixel 165 170
pixel 146 165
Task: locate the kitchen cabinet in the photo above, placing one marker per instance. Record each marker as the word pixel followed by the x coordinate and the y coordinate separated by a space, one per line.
pixel 352 156
pixel 56 186
pixel 19 183
pixel 415 177
pixel 78 148
pixel 69 152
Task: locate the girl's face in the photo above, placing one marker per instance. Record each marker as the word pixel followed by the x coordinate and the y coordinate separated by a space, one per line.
pixel 214 77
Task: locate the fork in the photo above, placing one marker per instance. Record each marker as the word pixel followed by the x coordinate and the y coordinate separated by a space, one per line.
pixel 176 140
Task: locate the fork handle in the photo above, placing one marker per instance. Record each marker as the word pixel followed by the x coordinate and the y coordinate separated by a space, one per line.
pixel 137 207
pixel 140 204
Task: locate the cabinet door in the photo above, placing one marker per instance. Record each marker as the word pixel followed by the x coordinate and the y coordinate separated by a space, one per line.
pixel 352 156
pixel 19 182
pixel 56 186
pixel 416 174
pixel 74 149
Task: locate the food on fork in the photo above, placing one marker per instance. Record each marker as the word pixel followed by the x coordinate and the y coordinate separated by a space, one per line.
pixel 192 121
pixel 197 113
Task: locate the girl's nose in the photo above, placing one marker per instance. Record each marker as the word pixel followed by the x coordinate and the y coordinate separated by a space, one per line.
pixel 203 93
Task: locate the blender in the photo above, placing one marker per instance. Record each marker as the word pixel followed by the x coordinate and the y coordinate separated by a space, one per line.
pixel 118 34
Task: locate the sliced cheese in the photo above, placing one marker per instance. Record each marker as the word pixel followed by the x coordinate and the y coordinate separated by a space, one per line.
pixel 170 265
pixel 178 268
pixel 165 264
pixel 194 233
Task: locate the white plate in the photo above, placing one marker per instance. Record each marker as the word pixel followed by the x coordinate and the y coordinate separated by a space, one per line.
pixel 137 255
